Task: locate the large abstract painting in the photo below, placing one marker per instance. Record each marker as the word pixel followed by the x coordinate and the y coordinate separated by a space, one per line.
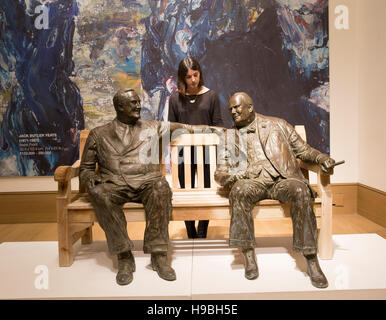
pixel 61 61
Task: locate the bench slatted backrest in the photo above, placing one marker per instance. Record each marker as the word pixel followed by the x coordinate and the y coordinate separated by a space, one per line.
pixel 82 141
pixel 199 141
pixel 301 131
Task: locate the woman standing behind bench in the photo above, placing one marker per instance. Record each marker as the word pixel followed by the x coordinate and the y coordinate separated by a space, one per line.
pixel 194 104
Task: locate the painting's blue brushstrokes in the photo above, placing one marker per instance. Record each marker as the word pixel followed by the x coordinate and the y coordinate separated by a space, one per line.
pixel 305 36
pixel 43 109
pixel 277 58
pixel 276 51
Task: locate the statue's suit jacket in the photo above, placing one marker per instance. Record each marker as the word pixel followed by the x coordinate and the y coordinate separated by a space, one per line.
pixel 281 145
pixel 122 153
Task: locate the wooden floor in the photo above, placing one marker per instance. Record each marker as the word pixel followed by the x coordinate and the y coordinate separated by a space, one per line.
pixel 342 224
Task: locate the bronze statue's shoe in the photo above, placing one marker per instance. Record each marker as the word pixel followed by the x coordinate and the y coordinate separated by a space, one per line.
pixel 250 264
pixel 318 279
pixel 127 256
pixel 125 273
pixel 159 264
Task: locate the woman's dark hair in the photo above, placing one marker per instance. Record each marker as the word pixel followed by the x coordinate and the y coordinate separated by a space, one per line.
pixel 183 67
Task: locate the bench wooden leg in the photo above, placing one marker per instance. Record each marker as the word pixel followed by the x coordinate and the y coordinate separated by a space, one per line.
pixel 87 237
pixel 68 235
pixel 325 235
pixel 66 255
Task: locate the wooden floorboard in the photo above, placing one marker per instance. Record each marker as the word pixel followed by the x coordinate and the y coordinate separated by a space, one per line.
pixel 342 224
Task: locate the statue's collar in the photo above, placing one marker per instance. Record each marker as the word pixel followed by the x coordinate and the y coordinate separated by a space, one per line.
pixel 125 125
pixel 252 126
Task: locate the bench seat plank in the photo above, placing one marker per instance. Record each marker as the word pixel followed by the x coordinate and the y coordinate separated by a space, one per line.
pixel 187 204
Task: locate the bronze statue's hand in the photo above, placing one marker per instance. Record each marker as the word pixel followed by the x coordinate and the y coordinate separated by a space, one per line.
pixel 326 163
pixel 221 178
pixel 226 180
pixel 93 181
pixel 230 181
pixel 217 130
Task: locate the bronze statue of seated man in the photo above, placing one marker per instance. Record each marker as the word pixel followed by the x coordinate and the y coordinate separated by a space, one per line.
pixel 123 176
pixel 270 171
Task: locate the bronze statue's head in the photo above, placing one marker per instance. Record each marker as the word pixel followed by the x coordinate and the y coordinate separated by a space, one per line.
pixel 241 109
pixel 127 104
pixel 183 68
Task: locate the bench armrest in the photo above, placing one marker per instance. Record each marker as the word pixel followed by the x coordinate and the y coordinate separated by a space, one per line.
pixel 63 176
pixel 310 166
pixel 66 173
pixel 323 179
pixel 314 167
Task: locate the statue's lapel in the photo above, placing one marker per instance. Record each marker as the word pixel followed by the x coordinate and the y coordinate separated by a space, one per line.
pixel 263 129
pixel 112 138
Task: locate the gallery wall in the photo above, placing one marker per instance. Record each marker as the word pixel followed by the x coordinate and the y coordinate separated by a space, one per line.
pixel 357 73
pixel 344 93
pixel 356 118
pixel 371 16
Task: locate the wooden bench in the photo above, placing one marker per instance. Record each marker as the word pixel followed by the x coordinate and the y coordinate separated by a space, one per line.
pixel 75 215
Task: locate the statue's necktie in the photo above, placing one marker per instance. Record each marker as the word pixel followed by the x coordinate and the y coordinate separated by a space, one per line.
pixel 127 136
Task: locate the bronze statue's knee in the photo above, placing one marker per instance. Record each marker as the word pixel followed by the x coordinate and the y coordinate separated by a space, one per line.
pixel 162 186
pixel 97 192
pixel 235 191
pixel 241 190
pixel 301 193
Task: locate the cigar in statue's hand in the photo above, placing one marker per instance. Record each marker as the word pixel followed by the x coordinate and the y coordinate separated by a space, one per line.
pixel 337 163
